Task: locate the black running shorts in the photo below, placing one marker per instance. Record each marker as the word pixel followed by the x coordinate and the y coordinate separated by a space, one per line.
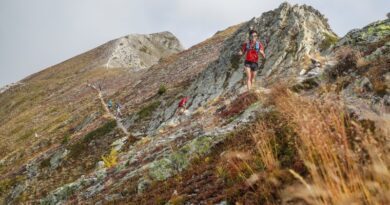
pixel 253 65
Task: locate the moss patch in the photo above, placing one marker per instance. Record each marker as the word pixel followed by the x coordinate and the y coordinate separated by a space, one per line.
pixel 328 41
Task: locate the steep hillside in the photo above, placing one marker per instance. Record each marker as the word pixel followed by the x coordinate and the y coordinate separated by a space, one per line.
pixel 55 106
pixel 316 116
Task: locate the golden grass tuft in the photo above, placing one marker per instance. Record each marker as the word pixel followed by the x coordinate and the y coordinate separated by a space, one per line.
pixel 111 159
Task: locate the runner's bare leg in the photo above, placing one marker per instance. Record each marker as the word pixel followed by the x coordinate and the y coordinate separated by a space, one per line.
pixel 248 77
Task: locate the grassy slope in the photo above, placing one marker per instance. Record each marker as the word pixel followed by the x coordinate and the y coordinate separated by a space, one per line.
pixel 48 105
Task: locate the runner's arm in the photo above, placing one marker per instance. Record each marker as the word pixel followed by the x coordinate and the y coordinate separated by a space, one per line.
pixel 262 50
pixel 243 49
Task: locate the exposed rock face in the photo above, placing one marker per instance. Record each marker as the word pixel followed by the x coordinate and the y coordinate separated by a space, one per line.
pixel 211 74
pixel 137 52
pixel 291 32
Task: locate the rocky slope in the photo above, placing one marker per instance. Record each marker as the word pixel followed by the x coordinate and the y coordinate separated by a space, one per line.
pixel 59 138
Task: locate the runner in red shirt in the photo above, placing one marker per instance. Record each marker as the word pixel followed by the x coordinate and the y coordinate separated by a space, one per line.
pixel 252 48
pixel 182 105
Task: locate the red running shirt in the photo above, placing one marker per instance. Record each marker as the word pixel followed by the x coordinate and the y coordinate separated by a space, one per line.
pixel 251 54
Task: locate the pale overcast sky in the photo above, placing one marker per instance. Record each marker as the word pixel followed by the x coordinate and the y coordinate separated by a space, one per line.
pixel 35 34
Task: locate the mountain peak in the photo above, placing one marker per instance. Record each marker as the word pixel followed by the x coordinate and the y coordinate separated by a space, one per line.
pixel 140 51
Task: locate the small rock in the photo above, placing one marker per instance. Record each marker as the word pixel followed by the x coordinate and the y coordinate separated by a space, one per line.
pixel 365 84
pixel 222 203
pixel 100 165
pixel 386 100
pixel 143 184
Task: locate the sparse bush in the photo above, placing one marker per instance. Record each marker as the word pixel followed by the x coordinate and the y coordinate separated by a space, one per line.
pixel 347 60
pixel 162 90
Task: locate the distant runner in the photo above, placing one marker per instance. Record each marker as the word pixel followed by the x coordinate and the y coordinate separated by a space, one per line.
pixel 252 48
pixel 181 108
pixel 118 109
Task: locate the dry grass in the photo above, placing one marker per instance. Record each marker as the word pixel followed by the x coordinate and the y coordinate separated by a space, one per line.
pixel 265 144
pixel 324 156
pixel 337 174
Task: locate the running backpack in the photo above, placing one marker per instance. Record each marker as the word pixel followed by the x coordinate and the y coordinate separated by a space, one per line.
pixel 257 47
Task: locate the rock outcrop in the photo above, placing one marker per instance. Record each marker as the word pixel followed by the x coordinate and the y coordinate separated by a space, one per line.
pixel 137 51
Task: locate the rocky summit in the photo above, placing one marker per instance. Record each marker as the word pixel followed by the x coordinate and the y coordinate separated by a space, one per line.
pixel 104 127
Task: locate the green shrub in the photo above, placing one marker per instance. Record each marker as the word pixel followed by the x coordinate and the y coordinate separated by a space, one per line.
pixel 77 148
pixel 45 163
pixel 162 90
pixel 65 139
pixel 101 131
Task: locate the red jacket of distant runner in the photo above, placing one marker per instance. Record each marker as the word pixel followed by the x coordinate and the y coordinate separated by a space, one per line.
pixel 183 101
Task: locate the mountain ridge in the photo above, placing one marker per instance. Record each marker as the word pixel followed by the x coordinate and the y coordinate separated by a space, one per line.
pixel 60 130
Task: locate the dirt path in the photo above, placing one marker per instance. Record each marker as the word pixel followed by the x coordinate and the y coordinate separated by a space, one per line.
pixel 108 112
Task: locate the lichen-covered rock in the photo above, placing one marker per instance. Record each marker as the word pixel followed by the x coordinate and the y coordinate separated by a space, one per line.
pixel 57 158
pixel 118 144
pixel 371 33
pixel 64 192
pixel 179 160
